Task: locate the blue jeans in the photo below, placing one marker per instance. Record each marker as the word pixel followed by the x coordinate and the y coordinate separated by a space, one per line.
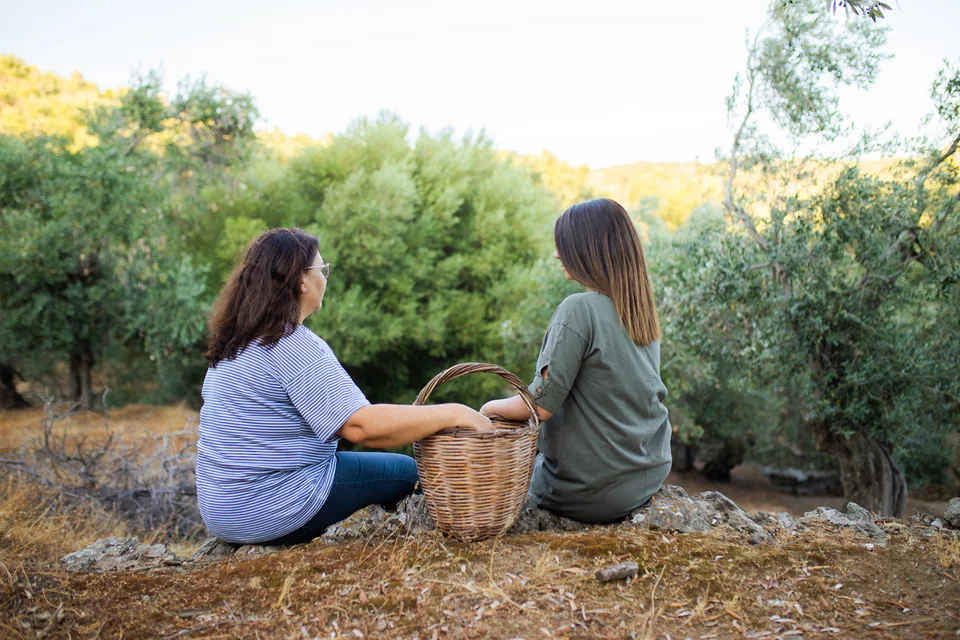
pixel 361 479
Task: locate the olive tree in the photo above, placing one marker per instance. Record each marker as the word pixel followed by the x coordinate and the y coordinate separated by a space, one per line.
pixel 89 252
pixel 850 276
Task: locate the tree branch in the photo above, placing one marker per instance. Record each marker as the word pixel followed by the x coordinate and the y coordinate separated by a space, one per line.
pixel 732 207
pixel 952 149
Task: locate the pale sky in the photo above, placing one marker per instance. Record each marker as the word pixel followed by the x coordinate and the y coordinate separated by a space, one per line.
pixel 594 82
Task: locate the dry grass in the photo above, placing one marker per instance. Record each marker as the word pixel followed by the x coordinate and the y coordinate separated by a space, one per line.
pixel 35 523
pixel 75 477
pixel 817 585
pixel 132 423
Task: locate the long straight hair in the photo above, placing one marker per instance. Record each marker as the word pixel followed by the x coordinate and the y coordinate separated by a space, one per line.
pixel 261 299
pixel 599 246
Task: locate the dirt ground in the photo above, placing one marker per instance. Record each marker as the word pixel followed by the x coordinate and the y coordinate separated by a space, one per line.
pixel 818 584
pixel 750 489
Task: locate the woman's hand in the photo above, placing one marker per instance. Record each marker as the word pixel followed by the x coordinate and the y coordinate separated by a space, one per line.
pixel 474 420
pixel 489 410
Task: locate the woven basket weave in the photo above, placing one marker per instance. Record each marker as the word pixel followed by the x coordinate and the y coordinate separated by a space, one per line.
pixel 475 482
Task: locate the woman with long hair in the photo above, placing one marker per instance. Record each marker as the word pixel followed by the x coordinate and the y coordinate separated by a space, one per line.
pixel 605 440
pixel 276 401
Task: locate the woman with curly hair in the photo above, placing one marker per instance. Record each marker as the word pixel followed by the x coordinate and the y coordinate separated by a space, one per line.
pixel 276 401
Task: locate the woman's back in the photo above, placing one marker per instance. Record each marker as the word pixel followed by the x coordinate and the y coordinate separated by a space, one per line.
pixel 265 458
pixel 606 449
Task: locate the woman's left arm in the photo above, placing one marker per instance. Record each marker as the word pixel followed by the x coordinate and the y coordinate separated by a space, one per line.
pixel 512 409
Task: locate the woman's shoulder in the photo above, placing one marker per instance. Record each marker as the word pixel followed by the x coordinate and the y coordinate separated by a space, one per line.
pixel 301 338
pixel 583 307
pixel 297 349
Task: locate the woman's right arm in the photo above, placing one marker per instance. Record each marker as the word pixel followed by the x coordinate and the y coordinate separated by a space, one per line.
pixel 383 426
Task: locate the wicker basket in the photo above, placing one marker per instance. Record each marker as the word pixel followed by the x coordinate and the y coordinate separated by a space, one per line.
pixel 475 482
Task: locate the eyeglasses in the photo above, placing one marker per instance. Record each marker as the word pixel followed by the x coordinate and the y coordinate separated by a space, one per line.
pixel 324 269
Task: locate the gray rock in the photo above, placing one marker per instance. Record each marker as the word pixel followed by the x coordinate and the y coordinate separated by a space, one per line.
pixel 412 516
pixel 361 524
pixel 779 521
pixel 856 512
pixel 739 521
pixel 671 509
pixel 952 513
pixel 119 554
pixel 533 518
pixel 253 550
pixel 671 493
pixel 866 520
pixel 757 538
pixel 805 483
pixel 672 518
pixel 721 503
pixel 923 519
pixel 855 520
pixel 214 549
pixel 82 560
pixel 735 517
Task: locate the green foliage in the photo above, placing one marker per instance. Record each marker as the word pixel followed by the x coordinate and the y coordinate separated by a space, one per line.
pixel 795 65
pixel 713 396
pixel 872 9
pixel 216 124
pixel 426 241
pixel 95 253
pixel 849 283
pixel 864 306
pixel 88 262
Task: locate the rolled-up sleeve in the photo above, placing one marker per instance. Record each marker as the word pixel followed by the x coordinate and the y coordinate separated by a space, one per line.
pixel 561 353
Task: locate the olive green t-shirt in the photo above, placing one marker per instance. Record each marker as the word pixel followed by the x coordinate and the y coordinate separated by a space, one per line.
pixel 606 449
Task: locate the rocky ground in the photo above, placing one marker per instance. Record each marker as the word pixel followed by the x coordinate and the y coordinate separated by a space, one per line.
pixel 697 567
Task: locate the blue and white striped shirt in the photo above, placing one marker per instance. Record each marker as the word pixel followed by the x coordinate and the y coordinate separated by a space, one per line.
pixel 265 458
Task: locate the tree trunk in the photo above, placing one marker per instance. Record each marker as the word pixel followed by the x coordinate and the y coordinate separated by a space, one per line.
pixel 731 454
pixel 81 379
pixel 9 397
pixel 868 473
pixel 683 455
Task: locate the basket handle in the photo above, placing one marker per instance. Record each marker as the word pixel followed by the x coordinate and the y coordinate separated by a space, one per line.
pixel 463 369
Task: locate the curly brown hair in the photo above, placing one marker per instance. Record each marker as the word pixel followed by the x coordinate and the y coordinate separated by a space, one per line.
pixel 261 300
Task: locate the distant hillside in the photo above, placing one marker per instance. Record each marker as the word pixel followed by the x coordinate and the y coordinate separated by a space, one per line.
pixel 37 103
pixel 670 190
